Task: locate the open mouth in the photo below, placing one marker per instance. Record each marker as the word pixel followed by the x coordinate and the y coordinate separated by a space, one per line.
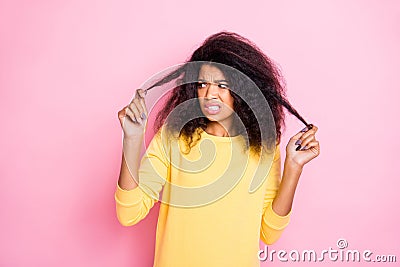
pixel 212 108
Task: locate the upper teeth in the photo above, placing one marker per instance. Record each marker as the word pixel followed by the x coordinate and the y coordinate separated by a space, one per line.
pixel 213 107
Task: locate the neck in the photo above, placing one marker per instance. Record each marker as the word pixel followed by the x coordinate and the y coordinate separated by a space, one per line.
pixel 217 129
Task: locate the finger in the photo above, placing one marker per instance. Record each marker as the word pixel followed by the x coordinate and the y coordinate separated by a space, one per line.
pixel 295 140
pixel 130 115
pixel 140 93
pixel 314 147
pixel 122 113
pixel 140 102
pixel 305 135
pixel 309 127
pixel 136 102
pixel 135 111
pixel 296 136
pixel 299 138
pixel 136 114
pixel 312 144
pixel 142 108
pixel 306 141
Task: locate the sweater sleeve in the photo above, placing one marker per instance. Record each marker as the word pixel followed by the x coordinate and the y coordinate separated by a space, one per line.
pixel 133 205
pixel 272 224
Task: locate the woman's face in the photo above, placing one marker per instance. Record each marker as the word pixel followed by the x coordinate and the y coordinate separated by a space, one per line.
pixel 215 99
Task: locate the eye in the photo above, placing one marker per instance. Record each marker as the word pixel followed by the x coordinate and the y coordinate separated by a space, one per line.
pixel 223 86
pixel 201 85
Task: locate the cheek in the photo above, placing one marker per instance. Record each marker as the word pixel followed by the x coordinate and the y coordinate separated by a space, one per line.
pixel 229 100
pixel 200 93
pixel 200 102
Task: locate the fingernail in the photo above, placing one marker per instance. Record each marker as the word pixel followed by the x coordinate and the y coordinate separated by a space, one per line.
pixel 298 142
pixel 298 147
pixel 304 148
pixel 304 129
pixel 143 116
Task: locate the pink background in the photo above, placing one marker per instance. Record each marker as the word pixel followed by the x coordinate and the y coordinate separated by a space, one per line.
pixel 67 67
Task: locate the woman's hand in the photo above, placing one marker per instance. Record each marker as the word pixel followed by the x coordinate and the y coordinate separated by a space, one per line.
pixel 302 147
pixel 133 117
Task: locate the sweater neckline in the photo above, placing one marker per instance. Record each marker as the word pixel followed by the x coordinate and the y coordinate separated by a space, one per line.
pixel 220 138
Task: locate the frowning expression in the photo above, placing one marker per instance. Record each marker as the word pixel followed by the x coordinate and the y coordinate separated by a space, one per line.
pixel 215 98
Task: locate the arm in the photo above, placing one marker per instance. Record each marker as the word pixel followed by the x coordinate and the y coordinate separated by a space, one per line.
pixel 273 224
pixel 138 185
pixel 282 204
pixel 293 166
pixel 126 181
pixel 133 120
pixel 280 192
pixel 133 204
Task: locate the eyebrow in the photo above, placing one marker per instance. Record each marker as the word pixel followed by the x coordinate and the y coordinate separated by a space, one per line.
pixel 216 81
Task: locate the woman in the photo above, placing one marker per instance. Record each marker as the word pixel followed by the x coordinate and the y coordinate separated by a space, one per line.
pixel 222 224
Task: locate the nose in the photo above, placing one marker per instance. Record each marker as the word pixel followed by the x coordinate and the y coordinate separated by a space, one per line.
pixel 212 91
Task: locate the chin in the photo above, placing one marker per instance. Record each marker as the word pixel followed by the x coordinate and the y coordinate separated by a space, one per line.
pixel 211 119
pixel 217 117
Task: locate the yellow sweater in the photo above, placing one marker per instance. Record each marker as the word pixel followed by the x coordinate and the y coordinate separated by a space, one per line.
pixel 219 226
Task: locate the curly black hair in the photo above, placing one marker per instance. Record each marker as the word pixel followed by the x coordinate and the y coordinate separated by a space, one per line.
pixel 230 49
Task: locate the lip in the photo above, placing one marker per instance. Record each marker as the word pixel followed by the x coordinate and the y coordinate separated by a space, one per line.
pixel 212 104
pixel 207 105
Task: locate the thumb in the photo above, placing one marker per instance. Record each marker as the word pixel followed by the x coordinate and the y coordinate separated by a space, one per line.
pixel 122 115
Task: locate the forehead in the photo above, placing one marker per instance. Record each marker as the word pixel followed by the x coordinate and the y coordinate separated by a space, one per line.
pixel 210 73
